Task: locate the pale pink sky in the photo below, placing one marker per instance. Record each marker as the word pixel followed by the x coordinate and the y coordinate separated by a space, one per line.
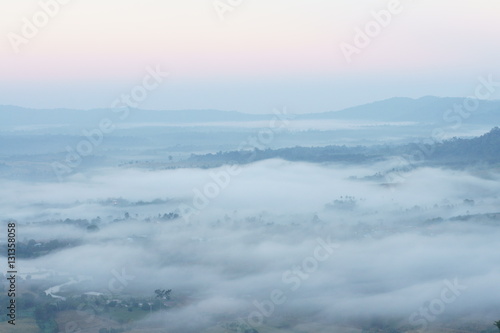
pixel 265 52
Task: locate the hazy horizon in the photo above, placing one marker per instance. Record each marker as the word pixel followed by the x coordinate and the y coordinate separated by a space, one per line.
pixel 256 56
pixel 263 113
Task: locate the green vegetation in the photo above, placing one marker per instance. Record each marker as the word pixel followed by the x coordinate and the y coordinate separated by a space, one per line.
pixel 453 152
pixel 48 314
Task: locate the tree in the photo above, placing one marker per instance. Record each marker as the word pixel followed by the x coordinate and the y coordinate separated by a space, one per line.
pixel 497 324
pixel 163 293
pixel 92 228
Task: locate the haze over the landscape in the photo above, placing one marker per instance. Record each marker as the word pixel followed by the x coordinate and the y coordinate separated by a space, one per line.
pixel 249 166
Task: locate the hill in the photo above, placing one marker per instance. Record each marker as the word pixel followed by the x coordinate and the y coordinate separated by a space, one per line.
pixel 426 109
pixel 423 110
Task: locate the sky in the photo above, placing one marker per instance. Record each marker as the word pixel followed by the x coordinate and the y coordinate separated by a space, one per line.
pixel 243 55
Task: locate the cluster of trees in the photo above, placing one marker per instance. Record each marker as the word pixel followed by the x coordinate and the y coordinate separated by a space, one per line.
pixel 344 203
pixel 163 293
pixel 44 308
pixel 485 148
pixel 120 202
pixel 34 249
pixel 312 154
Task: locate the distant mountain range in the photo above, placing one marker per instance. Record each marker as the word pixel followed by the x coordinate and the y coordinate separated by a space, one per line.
pixel 423 110
pixel 426 109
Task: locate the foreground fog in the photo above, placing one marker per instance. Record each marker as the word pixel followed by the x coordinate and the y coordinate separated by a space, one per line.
pixel 294 245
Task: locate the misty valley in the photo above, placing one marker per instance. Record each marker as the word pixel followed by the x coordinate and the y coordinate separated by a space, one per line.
pixel 380 218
